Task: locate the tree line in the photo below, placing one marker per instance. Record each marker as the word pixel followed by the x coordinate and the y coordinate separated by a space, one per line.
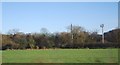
pixel 77 37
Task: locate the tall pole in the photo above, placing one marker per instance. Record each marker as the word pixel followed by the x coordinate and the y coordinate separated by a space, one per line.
pixel 71 34
pixel 102 26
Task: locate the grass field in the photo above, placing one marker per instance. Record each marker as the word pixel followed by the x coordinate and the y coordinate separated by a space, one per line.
pixel 61 56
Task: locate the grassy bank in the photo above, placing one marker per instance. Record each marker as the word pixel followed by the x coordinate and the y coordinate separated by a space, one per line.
pixel 61 56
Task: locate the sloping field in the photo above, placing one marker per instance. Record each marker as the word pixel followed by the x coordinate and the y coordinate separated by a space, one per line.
pixel 61 56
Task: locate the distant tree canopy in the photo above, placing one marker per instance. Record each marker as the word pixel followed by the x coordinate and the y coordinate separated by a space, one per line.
pixel 76 38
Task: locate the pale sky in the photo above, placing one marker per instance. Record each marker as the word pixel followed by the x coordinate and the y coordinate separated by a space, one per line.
pixel 56 16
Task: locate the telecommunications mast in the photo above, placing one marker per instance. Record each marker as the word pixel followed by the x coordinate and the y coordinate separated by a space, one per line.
pixel 102 26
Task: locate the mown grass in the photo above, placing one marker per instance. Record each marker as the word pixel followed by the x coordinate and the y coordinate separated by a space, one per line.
pixel 61 56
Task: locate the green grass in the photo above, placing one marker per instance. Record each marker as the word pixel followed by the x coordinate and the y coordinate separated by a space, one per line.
pixel 61 56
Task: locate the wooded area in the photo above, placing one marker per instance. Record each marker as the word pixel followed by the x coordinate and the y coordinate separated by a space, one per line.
pixel 77 38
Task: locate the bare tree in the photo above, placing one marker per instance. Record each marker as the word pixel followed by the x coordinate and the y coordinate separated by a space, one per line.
pixel 13 31
pixel 44 31
pixel 78 33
